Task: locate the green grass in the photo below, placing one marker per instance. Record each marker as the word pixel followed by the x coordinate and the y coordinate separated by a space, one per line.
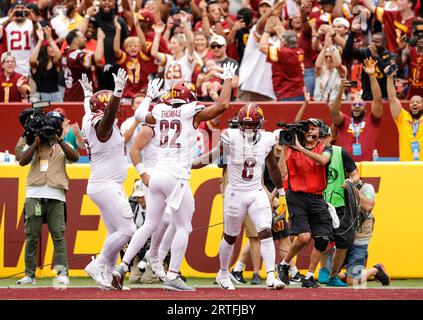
pixel 202 282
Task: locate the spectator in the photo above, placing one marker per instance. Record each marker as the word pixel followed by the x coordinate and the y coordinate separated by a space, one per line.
pixel 218 45
pixel 18 33
pixel 105 20
pixel 14 85
pixel 396 24
pixel 71 132
pixel 358 134
pixel 376 50
pixel 178 65
pixel 45 200
pixel 408 124
pixel 201 54
pixel 287 65
pixel 255 73
pixel 329 71
pixel 75 62
pixel 69 20
pixel 209 80
pixel 240 31
pixel 45 66
pixel 35 14
pixel 132 61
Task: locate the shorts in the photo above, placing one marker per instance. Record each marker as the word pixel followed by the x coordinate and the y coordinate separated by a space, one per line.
pixel 345 234
pixel 281 234
pixel 308 213
pixel 250 229
pixel 355 261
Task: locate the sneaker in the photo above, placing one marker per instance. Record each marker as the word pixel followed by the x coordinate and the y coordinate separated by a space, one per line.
pixel 26 280
pixel 157 268
pixel 62 279
pixel 118 276
pixel 275 284
pixel 97 274
pixel 297 278
pixel 176 285
pixel 324 276
pixel 224 281
pixel 381 275
pixel 237 277
pixel 256 280
pixel 310 283
pixel 283 273
pixel 336 282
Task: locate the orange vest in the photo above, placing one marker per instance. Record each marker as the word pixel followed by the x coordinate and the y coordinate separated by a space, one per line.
pixel 305 174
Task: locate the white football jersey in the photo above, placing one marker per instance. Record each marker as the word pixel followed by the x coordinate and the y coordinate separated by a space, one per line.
pixel 21 42
pixel 176 70
pixel 108 159
pixel 247 159
pixel 177 137
pixel 150 151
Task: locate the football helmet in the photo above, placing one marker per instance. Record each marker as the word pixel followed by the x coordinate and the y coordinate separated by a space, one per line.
pixel 100 99
pixel 250 119
pixel 182 92
pixel 164 98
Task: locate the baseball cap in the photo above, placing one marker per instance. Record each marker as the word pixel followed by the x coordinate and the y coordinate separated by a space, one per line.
pixel 218 39
pixel 268 2
pixel 5 55
pixel 146 15
pixel 138 192
pixel 315 122
pixel 342 21
pixel 62 112
pixel 18 3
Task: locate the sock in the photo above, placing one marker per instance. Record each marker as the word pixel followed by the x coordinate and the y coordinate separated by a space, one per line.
pixel 293 271
pixel 225 253
pixel 178 249
pixel 124 266
pixel 138 241
pixel 309 275
pixel 267 250
pixel 239 266
pixel 284 263
pixel 172 275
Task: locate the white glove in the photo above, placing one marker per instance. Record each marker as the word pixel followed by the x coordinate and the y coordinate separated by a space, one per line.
pixel 229 70
pixel 86 85
pixel 120 82
pixel 153 90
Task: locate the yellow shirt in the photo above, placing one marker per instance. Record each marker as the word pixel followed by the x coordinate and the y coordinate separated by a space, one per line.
pixel 405 131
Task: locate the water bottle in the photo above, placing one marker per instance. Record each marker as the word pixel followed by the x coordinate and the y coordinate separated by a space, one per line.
pixel 416 155
pixel 6 156
pixel 375 155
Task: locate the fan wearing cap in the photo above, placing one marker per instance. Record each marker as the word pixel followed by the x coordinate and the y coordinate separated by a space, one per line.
pixel 14 86
pixel 287 64
pixel 305 168
pixel 179 64
pixel 132 61
pixel 45 64
pixel 18 36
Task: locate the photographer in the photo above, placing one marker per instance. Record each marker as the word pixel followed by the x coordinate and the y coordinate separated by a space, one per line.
pixel 305 166
pixel 47 184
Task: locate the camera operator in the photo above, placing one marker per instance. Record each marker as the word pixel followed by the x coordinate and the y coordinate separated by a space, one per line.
pixel 19 36
pixel 47 184
pixel 305 166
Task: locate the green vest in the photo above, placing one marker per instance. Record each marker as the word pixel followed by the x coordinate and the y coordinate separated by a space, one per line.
pixel 334 193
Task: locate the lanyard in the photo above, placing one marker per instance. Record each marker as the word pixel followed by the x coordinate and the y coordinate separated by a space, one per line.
pixel 415 126
pixel 357 129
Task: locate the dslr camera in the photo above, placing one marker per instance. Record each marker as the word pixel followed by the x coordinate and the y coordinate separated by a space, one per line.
pixel 37 122
pixel 291 130
pixel 233 123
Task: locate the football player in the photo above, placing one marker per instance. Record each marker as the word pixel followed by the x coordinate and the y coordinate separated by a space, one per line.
pixel 169 182
pixel 248 149
pixel 106 150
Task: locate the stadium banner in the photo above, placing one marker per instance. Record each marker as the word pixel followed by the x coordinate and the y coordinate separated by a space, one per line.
pixel 396 241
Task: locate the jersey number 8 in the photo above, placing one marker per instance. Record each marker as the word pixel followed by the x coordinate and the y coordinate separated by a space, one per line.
pixel 249 164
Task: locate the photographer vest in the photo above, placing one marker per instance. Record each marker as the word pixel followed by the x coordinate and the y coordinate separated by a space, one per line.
pixel 305 175
pixel 56 175
pixel 334 193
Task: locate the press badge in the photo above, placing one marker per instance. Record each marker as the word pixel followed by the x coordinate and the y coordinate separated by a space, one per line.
pixel 356 149
pixel 415 150
pixel 38 209
pixel 43 165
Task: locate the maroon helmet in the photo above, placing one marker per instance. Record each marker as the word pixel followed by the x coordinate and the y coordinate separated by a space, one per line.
pixel 164 98
pixel 183 92
pixel 100 99
pixel 250 116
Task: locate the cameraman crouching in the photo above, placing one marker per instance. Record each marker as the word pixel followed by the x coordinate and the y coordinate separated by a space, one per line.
pixel 45 200
pixel 304 167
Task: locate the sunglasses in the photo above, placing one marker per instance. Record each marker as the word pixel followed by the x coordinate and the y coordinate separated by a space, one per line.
pixel 357 104
pixel 214 46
